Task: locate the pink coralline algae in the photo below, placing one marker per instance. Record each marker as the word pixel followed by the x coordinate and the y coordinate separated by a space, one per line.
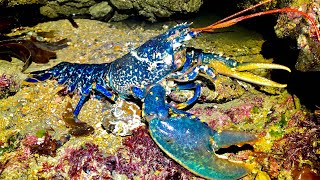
pixel 140 157
pixel 7 86
pixel 86 161
pixel 147 161
pixel 240 113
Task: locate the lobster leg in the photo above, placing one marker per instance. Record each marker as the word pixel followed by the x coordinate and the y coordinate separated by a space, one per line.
pixel 189 141
pixel 85 95
pixel 187 64
pixel 193 73
pixel 194 85
pixel 190 71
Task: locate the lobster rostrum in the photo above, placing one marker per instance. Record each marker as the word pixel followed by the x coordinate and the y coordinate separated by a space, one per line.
pixel 151 71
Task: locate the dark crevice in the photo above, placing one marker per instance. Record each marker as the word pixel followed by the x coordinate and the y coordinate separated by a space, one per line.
pixel 235 149
pixel 19 16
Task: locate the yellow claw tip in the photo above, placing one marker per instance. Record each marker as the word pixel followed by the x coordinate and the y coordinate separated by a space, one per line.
pixel 282 85
pixel 286 68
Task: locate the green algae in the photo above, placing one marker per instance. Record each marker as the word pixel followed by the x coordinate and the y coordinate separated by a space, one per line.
pixel 11 143
pixel 40 133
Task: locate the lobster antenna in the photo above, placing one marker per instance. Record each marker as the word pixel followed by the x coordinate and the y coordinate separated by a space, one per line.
pixel 241 12
pixel 216 25
pixel 223 23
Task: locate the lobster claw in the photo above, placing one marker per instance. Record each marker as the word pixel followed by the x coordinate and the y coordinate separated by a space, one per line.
pixel 231 68
pixel 187 140
pixel 192 143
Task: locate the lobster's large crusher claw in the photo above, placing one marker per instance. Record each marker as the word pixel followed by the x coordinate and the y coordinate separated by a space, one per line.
pixel 187 140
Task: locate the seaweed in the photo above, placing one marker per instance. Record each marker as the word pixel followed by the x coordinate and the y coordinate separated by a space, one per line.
pixel 298 148
pixel 47 147
pixel 8 86
pixel 88 159
pixel 13 142
pixel 146 159
pixel 140 157
pixel 78 128
pixel 30 50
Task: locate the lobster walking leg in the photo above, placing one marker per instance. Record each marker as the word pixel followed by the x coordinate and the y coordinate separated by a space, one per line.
pixel 85 95
pixel 197 90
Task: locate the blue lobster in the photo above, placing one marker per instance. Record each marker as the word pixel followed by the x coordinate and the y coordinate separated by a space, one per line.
pixel 148 73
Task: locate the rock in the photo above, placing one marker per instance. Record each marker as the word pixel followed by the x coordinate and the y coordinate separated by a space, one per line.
pixel 298 27
pixel 65 8
pixel 122 4
pixel 153 9
pixel 13 3
pixel 48 11
pixel 119 17
pixel 100 10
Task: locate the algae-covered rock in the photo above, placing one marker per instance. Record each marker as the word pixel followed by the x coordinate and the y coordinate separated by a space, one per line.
pixel 153 9
pixel 100 10
pixel 122 4
pixel 62 8
pixel 298 27
pixel 150 9
pixel 13 3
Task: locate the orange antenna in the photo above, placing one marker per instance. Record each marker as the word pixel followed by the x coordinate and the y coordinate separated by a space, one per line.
pixel 241 12
pixel 223 23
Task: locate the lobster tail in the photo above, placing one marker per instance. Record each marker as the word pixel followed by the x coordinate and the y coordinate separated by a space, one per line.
pixel 73 76
pixel 37 76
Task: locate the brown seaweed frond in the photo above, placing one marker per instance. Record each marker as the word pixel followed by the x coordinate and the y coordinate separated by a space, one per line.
pixel 47 147
pixel 30 50
pixel 78 128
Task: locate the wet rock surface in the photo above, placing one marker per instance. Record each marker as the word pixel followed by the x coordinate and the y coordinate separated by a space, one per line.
pixel 151 9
